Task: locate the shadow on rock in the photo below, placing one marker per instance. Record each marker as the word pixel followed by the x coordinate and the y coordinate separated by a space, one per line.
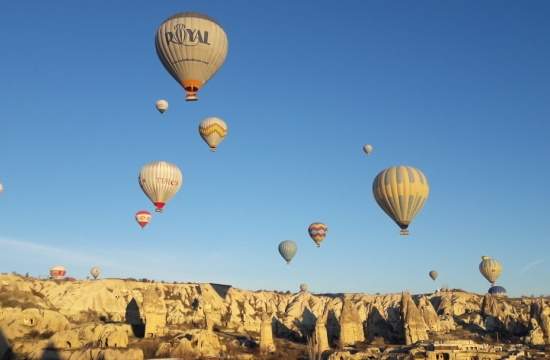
pixel 133 317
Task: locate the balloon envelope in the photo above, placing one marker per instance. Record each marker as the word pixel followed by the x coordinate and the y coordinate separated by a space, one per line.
pixel 160 181
pixel 401 192
pixel 317 231
pixel 192 47
pixel 433 274
pixel 95 272
pixel 58 272
pixel 288 249
pixel 497 290
pixel 143 217
pixel 161 105
pixel 303 288
pixel 213 130
pixel 490 269
pixel 367 149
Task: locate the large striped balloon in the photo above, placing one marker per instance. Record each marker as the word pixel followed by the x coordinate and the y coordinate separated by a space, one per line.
pixel 490 269
pixel 213 130
pixel 401 192
pixel 192 47
pixel 160 181
pixel 288 249
pixel 317 231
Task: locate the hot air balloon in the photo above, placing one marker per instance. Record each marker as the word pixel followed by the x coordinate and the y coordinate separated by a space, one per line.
pixel 288 249
pixel 160 181
pixel 95 272
pixel 433 274
pixel 303 288
pixel 401 192
pixel 161 105
pixel 192 47
pixel 143 217
pixel 213 130
pixel 367 149
pixel 1 188
pixel 317 231
pixel 58 272
pixel 490 269
pixel 497 291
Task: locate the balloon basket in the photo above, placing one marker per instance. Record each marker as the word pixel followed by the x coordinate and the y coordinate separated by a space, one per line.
pixel 404 232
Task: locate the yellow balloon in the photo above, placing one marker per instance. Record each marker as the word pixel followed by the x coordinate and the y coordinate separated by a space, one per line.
pixel 192 47
pixel 401 192
pixel 213 130
pixel 490 269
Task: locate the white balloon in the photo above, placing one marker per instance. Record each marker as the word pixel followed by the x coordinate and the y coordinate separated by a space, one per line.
pixel 160 181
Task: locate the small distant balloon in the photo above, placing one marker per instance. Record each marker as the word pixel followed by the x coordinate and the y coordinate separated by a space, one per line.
pixel 497 290
pixel 317 231
pixel 1 188
pixel 95 272
pixel 288 249
pixel 162 105
pixel 433 274
pixel 213 130
pixel 367 148
pixel 143 217
pixel 303 288
pixel 58 272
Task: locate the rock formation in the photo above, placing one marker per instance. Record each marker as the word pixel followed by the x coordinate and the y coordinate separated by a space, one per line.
pixel 154 313
pixel 351 326
pixel 414 327
pixel 266 334
pixel 320 333
pixel 428 314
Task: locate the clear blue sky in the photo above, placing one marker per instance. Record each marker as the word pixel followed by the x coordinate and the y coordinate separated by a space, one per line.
pixel 458 89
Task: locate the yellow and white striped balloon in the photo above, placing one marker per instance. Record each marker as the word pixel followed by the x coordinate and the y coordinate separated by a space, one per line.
pixel 160 181
pixel 213 130
pixel 401 192
pixel 192 47
pixel 490 269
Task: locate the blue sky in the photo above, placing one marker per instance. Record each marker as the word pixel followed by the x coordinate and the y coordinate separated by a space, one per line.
pixel 460 90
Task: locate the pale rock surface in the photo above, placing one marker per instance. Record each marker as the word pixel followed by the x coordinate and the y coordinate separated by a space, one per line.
pixel 154 313
pixel 198 342
pixel 428 314
pixel 266 334
pixel 320 335
pixel 413 323
pixel 351 326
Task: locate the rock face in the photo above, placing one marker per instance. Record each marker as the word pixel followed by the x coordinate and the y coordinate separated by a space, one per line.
pixel 351 326
pixel 109 316
pixel 154 313
pixel 266 334
pixel 414 327
pixel 198 342
pixel 428 314
pixel 320 336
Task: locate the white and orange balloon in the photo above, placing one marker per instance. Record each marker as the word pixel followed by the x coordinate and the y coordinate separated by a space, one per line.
pixel 192 47
pixel 213 130
pixel 143 217
pixel 160 181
